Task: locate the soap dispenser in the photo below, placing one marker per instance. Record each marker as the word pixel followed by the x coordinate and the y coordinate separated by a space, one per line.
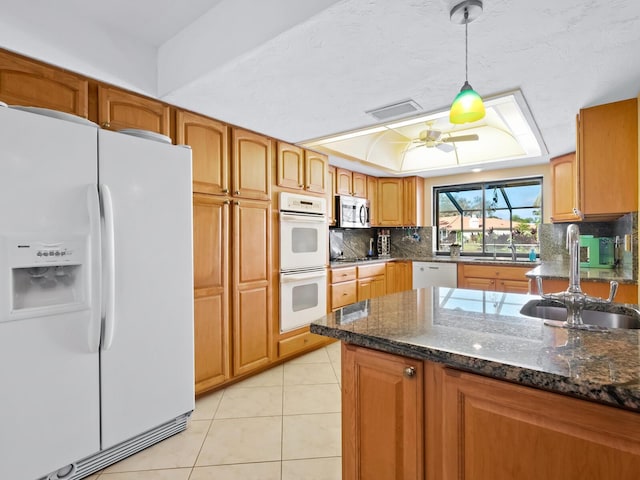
pixel 532 255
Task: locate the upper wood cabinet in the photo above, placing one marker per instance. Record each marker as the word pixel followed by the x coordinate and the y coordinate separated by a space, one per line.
pixel 30 83
pixel 251 165
pixel 564 180
pixel 413 201
pixel 382 413
pixel 300 169
pixel 608 159
pixel 118 109
pixel 351 183
pixel 331 199
pixel 209 144
pixel 372 196
pixel 390 202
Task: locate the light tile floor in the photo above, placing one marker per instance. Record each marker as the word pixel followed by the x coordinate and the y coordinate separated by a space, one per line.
pixel 282 424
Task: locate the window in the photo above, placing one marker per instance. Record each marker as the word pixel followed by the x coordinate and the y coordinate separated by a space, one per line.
pixel 485 218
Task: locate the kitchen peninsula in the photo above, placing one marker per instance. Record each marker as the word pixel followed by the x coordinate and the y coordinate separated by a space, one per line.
pixel 445 383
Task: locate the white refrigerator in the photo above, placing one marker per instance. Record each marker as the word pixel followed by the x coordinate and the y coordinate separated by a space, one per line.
pixel 96 307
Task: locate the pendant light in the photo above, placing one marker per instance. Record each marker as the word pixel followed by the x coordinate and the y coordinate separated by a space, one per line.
pixel 467 106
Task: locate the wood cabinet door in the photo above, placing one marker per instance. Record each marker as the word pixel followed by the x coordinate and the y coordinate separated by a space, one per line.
pixel 372 196
pixel 564 188
pixel 251 165
pixel 252 319
pixel 118 109
pixel 315 172
pixel 477 283
pixel 406 275
pixel 331 200
pixel 344 180
pixel 30 83
pixel 209 144
pixel 382 416
pixel 409 211
pixel 608 158
pixel 390 200
pixel 290 166
pixel 495 430
pixel 342 294
pixel 365 289
pixel 359 184
pixel 211 296
pixel 513 286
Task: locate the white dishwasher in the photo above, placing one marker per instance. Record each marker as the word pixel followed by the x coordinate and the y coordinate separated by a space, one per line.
pixel 439 274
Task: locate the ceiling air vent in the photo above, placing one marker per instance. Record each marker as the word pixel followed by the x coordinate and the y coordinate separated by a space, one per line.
pixel 395 110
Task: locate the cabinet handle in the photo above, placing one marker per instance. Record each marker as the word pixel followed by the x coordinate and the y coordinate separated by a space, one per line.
pixel 300 185
pixel 225 190
pixel 106 125
pixel 409 371
pixel 344 294
pixel 237 192
pixel 226 202
pixel 236 203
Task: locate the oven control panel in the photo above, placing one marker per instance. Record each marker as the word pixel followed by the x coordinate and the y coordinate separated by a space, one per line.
pixel 292 202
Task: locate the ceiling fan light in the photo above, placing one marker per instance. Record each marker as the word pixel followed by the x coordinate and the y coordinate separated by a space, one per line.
pixel 467 106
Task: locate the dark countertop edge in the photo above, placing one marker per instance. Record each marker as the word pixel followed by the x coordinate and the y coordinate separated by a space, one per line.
pixel 610 395
pixel 548 271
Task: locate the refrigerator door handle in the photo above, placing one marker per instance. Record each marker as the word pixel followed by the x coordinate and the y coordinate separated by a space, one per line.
pixel 93 207
pixel 108 276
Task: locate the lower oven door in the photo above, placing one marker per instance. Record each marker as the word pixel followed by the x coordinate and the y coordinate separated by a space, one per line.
pixel 303 298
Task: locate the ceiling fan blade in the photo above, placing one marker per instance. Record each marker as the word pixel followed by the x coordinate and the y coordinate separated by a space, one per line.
pixel 445 147
pixel 461 138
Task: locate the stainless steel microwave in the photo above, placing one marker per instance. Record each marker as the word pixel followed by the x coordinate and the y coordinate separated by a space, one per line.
pixel 352 212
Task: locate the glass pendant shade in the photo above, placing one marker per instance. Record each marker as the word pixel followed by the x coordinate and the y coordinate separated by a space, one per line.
pixel 467 106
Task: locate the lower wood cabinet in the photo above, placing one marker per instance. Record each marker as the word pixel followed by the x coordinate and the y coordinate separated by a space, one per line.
pixel 342 287
pixel 371 281
pixel 399 276
pixel 382 416
pixel 499 278
pixel 408 419
pixel 494 430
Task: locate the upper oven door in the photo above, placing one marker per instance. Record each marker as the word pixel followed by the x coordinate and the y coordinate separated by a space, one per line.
pixel 303 241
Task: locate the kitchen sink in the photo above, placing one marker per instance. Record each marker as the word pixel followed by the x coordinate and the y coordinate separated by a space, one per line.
pixel 615 317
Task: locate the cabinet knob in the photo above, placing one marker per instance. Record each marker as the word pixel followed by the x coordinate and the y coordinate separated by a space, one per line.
pixel 409 371
pixel 344 294
pixel 225 190
pixel 106 125
pixel 226 202
pixel 236 203
pixel 300 185
pixel 237 192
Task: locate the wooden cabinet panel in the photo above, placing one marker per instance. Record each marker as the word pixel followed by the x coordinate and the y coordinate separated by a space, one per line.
pixel 344 180
pixel 564 182
pixel 315 172
pixel 372 196
pixel 118 109
pixel 500 278
pixel 31 83
pixel 477 283
pixel 251 312
pixel 370 270
pixel 413 201
pixel 211 340
pixel 299 342
pixel 390 199
pixel 331 200
pixel 608 158
pixel 210 241
pixel 398 276
pixel 290 166
pixel 513 286
pixel 209 144
pixel 359 184
pixel 342 274
pixel 342 294
pixel 371 287
pixel 211 282
pixel 251 165
pixel 382 416
pixel 549 436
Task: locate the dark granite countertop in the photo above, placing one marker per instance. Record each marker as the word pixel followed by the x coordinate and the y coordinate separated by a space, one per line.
pixel 483 332
pixel 445 259
pixel 560 270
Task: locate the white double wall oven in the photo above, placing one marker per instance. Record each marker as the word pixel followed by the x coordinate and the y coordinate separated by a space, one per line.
pixel 303 260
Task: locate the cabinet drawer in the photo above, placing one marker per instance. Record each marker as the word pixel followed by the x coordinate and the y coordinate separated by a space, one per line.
pixel 342 294
pixel 365 271
pixel 342 274
pixel 495 271
pixel 298 343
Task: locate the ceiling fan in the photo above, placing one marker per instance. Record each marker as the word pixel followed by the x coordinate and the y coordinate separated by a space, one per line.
pixel 443 141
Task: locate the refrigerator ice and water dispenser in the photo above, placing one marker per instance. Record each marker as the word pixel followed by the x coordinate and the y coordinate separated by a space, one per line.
pixel 47 278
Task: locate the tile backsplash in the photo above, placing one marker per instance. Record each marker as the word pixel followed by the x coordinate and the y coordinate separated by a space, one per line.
pixel 406 242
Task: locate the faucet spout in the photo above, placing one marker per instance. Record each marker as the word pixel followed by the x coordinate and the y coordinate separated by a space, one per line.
pixel 573 245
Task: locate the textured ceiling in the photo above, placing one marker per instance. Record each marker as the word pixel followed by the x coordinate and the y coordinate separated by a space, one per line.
pixel 299 70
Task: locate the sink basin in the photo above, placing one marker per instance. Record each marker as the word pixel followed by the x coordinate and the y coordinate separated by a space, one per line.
pixel 622 317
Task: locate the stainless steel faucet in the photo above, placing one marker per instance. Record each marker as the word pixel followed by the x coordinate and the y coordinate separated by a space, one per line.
pixel 512 246
pixel 573 298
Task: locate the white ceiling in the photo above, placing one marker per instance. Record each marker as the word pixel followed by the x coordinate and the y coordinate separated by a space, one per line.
pixel 297 70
